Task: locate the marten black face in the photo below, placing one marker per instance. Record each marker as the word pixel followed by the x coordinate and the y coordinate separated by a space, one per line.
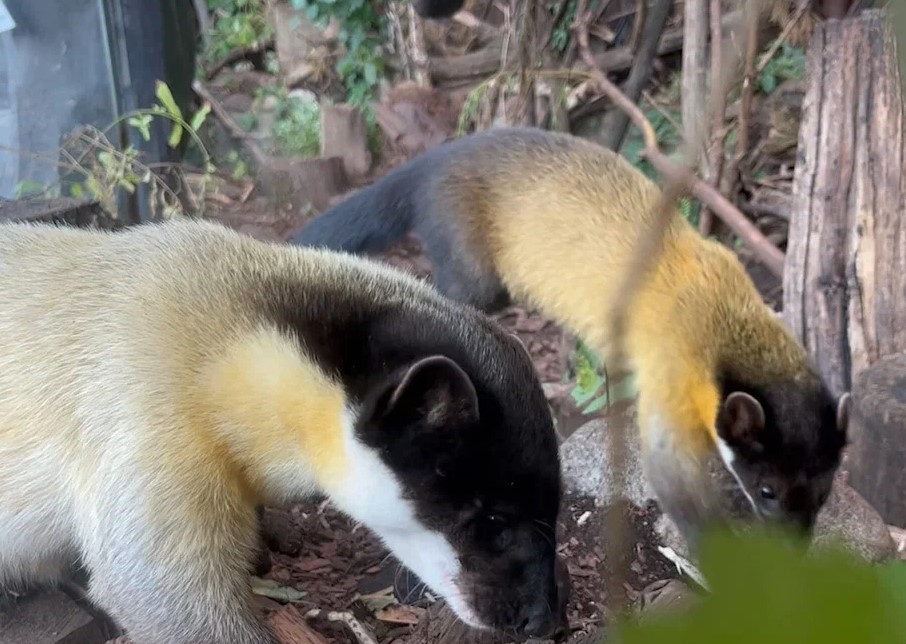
pixel 453 458
pixel 783 445
pixel 483 478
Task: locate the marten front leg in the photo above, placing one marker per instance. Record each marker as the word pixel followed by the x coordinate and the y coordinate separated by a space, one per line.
pixel 684 489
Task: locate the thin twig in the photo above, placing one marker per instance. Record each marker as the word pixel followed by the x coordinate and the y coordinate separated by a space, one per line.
pixel 748 89
pixel 718 113
pixel 229 122
pixel 761 246
pixel 236 55
pixel 616 123
pixel 349 619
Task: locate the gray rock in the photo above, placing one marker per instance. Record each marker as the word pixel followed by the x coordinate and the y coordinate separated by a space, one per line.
pixel 846 520
pixel 849 520
pixel 586 461
pixel 49 618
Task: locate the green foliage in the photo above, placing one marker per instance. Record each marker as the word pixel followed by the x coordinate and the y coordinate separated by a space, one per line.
pixel 788 63
pixel 238 24
pixel 562 31
pixel 363 29
pixel 98 169
pixel 297 130
pixel 764 591
pixel 593 392
pixel 664 122
pixel 29 188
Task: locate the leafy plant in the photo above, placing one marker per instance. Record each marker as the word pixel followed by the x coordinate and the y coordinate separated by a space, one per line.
pixel 363 29
pixel 99 169
pixel 593 392
pixel 562 31
pixel 297 130
pixel 296 125
pixel 763 590
pixel 786 64
pixel 238 24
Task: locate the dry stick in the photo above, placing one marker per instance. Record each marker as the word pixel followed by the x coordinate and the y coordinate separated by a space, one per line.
pixel 616 123
pixel 762 248
pixel 236 55
pixel 748 92
pixel 718 113
pixel 638 24
pixel 229 122
pixel 651 241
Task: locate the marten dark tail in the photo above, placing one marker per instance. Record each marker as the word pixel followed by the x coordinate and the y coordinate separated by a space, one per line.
pixel 373 218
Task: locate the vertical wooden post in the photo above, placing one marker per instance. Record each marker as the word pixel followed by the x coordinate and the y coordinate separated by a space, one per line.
pixel 845 281
pixel 845 278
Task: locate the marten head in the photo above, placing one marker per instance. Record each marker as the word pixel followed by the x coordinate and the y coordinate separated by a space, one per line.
pixel 783 444
pixel 451 456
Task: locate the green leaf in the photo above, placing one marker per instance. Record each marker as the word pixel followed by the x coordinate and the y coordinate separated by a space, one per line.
pixel 370 70
pixel 164 95
pixel 199 117
pixel 765 590
pixel 142 123
pixel 596 405
pixel 162 91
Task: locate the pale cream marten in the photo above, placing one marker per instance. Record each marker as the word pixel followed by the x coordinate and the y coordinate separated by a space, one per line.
pixel 554 220
pixel 158 384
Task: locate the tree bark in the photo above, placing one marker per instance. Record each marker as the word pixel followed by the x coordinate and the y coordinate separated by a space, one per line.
pixel 844 294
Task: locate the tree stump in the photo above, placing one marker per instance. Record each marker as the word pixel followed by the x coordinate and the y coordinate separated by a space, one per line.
pixel 878 449
pixel 844 294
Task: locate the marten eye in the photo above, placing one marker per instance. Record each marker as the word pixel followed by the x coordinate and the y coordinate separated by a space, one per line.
pixel 767 493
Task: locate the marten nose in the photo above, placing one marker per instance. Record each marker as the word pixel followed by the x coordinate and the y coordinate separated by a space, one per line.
pixel 544 617
pixel 539 621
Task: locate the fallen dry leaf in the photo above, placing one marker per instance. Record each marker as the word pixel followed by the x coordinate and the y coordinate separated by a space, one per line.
pixel 400 614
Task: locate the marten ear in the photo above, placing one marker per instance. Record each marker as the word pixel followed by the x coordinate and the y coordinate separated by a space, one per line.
pixel 844 407
pixel 742 419
pixel 431 393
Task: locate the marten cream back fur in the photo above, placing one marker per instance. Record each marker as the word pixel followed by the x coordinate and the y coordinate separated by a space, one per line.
pixel 147 405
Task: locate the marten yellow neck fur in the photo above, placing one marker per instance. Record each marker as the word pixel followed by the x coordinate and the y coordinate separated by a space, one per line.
pixel 158 384
pixel 552 219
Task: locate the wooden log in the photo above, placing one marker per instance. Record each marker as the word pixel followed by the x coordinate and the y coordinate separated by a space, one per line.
pixel 82 213
pixel 344 134
pixel 877 448
pixel 844 296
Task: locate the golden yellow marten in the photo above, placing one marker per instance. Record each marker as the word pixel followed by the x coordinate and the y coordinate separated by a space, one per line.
pixel 158 384
pixel 554 220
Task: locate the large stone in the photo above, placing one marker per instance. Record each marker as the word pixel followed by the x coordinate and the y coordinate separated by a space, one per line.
pixel 345 135
pixel 846 520
pixel 587 461
pixel 849 520
pixel 877 433
pixel 50 618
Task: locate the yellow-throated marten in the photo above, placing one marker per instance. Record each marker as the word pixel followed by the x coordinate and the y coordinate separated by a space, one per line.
pixel 553 219
pixel 157 384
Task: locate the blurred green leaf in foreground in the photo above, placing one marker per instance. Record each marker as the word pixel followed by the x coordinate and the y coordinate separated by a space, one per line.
pixel 765 592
